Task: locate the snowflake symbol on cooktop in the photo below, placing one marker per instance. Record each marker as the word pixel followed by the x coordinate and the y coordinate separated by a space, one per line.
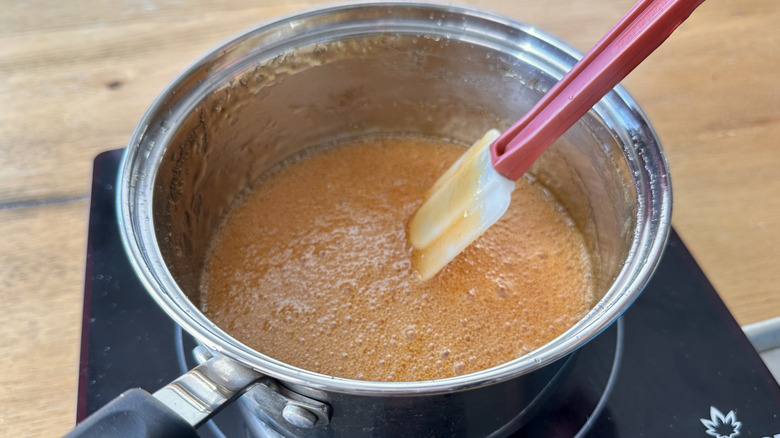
pixel 721 426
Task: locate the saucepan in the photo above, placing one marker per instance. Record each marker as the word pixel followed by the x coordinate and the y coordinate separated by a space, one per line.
pixel 348 71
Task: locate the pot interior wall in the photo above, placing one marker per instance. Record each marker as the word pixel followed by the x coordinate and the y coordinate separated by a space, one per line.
pixel 267 107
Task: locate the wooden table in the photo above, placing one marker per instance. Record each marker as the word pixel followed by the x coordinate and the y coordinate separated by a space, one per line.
pixel 75 78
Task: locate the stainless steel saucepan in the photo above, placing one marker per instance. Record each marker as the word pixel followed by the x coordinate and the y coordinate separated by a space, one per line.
pixel 343 72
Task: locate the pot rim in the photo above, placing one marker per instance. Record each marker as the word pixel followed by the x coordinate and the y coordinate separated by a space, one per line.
pixel 135 192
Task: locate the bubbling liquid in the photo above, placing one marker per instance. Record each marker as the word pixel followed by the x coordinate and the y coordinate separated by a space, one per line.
pixel 312 267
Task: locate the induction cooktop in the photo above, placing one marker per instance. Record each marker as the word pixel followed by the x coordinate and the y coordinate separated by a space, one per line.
pixel 676 364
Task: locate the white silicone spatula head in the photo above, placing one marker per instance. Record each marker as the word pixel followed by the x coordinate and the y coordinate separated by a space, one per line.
pixel 470 197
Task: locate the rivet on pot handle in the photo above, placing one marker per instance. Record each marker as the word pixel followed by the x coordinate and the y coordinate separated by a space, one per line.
pixel 176 409
pixel 277 405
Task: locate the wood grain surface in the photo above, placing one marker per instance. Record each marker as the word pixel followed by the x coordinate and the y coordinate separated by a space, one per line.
pixel 76 77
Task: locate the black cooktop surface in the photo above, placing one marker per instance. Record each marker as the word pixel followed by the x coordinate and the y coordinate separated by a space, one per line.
pixel 676 364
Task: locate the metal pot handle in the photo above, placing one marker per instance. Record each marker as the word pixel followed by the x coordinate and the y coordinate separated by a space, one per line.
pixel 176 409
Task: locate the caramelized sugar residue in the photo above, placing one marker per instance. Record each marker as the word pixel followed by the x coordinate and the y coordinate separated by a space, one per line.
pixel 312 268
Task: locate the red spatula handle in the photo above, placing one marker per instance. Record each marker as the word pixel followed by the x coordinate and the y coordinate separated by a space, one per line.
pixel 648 24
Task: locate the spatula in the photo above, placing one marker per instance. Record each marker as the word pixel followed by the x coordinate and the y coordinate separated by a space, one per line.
pixel 475 192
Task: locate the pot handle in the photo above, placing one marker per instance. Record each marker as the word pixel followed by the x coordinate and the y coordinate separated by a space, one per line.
pixel 176 409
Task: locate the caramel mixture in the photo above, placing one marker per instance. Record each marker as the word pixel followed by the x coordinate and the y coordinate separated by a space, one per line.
pixel 312 267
